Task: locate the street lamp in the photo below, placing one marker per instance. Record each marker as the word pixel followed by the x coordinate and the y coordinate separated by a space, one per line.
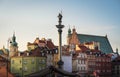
pixel 60 26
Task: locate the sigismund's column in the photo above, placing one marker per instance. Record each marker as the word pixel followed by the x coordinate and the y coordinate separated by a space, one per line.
pixel 60 26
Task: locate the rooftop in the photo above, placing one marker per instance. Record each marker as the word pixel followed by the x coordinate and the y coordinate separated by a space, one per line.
pixel 103 40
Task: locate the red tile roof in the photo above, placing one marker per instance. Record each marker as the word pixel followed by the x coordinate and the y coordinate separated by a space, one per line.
pixel 88 43
pixel 42 41
pixel 95 50
pixel 83 48
pixel 35 52
pixel 31 44
pixel 110 55
pixel 50 45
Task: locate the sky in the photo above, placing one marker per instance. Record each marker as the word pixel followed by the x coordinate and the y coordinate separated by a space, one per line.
pixel 37 18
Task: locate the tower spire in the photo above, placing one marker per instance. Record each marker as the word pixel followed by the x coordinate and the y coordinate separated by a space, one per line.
pixel 14 43
pixel 69 31
pixel 13 32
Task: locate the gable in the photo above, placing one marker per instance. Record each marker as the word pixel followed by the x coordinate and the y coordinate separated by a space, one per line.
pixel 105 46
pixel 74 39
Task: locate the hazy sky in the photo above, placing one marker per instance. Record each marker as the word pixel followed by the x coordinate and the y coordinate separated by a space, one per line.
pixel 37 18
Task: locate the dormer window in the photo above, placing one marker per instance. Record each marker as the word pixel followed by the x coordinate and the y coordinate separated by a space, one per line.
pixel 42 54
pixel 56 51
pixel 50 51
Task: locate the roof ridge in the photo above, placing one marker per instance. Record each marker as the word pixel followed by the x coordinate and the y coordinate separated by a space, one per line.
pixel 91 35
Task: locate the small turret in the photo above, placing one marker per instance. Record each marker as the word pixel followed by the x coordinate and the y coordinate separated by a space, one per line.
pixel 13 42
pixel 13 38
pixel 68 36
pixel 69 31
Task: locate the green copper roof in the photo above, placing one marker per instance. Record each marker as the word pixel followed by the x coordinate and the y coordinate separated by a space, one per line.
pixel 69 31
pixel 105 46
pixel 13 41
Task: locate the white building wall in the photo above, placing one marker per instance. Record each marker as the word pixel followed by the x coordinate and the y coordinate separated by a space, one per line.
pixel 67 63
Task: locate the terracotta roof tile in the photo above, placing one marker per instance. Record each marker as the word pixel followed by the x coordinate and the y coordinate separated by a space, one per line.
pixel 31 44
pixel 41 41
pixel 50 45
pixel 83 48
pixel 88 43
pixel 94 50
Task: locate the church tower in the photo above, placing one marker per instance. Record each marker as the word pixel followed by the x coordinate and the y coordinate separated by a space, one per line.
pixel 13 46
pixel 72 40
pixel 68 36
pixel 74 37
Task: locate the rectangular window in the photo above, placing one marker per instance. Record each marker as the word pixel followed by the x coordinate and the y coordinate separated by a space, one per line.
pixel 33 69
pixel 40 61
pixel 20 68
pixel 83 68
pixel 25 69
pixel 33 61
pixel 43 61
pixel 12 69
pixel 12 61
pixel 81 61
pixel 78 68
pixel 25 62
pixel 39 67
pixel 20 61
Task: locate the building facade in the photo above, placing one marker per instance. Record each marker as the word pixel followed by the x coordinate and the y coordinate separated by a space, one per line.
pixel 74 64
pixel 116 67
pixel 103 65
pixel 91 62
pixel 47 47
pixel 102 41
pixel 82 64
pixel 21 66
